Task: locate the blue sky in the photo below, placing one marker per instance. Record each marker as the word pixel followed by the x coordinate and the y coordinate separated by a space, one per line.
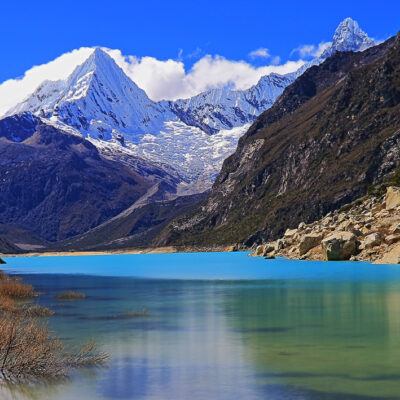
pixel 35 32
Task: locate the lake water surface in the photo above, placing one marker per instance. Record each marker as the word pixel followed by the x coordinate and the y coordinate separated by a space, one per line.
pixel 223 326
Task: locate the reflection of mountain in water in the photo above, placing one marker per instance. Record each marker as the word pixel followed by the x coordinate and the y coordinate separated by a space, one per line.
pixel 330 338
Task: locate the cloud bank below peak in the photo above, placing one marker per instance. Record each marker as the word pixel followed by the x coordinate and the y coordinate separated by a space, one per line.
pixel 160 79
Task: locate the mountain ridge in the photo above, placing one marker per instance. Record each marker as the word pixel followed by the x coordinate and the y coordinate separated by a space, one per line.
pixel 100 118
pixel 330 134
pixel 101 102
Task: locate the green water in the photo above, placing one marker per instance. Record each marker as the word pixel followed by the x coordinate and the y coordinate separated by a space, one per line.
pixel 242 328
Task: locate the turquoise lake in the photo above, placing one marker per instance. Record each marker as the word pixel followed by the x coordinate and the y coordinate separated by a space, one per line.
pixel 222 326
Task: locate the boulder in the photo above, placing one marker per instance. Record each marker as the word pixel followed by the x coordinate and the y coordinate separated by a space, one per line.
pixel 309 241
pixel 372 240
pixel 339 246
pixel 395 228
pixel 392 239
pixel 346 225
pixel 259 250
pixel 280 244
pixel 302 225
pixel 290 233
pixel 2 261
pixel 392 197
pixel 268 248
pixel 378 207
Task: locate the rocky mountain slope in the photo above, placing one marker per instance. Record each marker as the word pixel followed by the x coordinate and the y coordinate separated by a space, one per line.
pixel 367 229
pixel 333 132
pixel 49 177
pixel 134 227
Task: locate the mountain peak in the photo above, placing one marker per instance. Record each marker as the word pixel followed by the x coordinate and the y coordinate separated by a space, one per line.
pixel 348 37
pixel 99 58
pixel 99 62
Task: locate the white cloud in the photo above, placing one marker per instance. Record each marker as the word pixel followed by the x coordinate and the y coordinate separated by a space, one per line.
pixel 311 50
pixel 275 60
pixel 14 91
pixel 169 80
pixel 261 52
pixel 160 79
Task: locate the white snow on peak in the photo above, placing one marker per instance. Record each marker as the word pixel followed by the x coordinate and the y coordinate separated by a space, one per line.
pixel 192 136
pixel 99 100
pixel 223 108
pixel 348 37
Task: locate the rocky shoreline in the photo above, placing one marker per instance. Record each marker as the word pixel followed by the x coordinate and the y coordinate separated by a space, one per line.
pixel 366 230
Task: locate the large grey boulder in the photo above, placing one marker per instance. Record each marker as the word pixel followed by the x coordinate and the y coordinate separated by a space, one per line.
pixel 372 240
pixel 309 241
pixel 392 197
pixel 339 246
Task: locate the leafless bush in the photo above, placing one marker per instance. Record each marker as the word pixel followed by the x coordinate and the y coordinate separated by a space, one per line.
pixel 28 352
pixel 7 304
pixel 37 311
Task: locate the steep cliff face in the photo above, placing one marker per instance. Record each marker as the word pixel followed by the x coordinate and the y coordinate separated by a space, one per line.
pixel 333 132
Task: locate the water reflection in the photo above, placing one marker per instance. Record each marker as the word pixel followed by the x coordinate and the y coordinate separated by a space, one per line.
pixel 280 338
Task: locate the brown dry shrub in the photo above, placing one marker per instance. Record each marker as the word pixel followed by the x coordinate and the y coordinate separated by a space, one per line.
pixel 4 276
pixel 70 295
pixel 7 304
pixel 37 311
pixel 28 352
pixel 16 290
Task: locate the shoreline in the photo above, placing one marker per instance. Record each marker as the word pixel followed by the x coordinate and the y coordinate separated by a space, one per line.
pixel 150 250
pixel 368 229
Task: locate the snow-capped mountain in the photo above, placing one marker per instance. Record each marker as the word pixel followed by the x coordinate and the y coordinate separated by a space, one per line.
pixel 348 37
pixel 98 99
pixel 192 136
pixel 223 108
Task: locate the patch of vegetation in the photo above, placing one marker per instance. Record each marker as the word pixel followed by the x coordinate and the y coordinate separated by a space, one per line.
pixel 37 311
pixel 127 315
pixel 16 290
pixel 380 189
pixel 70 295
pixel 28 351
